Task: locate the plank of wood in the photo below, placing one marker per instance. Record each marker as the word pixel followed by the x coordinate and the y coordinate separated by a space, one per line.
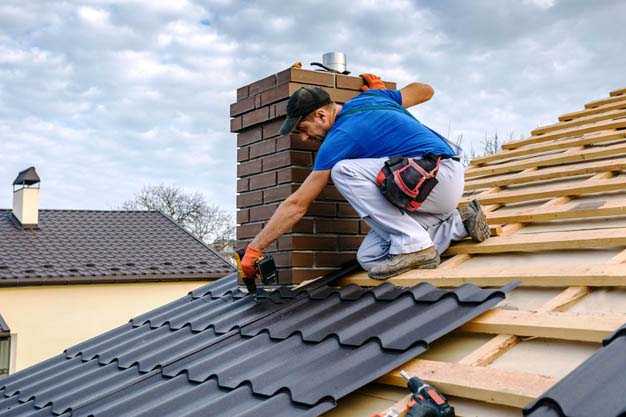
pixel 571 211
pixel 612 114
pixel 600 109
pixel 550 325
pixel 549 160
pixel 603 101
pixel 496 386
pixel 586 139
pixel 574 131
pixel 580 239
pixel 490 351
pixel 618 92
pixel 565 299
pixel 560 190
pixel 553 173
pixel 546 276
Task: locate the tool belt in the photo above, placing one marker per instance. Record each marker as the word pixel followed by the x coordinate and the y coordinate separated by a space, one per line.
pixel 407 182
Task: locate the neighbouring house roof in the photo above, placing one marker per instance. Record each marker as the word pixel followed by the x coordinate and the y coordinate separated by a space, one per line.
pixel 217 351
pixel 83 246
pixel 595 388
pixel 4 328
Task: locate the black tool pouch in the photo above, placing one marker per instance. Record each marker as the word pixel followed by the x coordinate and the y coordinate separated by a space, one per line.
pixel 407 182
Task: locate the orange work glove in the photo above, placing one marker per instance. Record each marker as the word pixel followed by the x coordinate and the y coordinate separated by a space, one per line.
pixel 372 81
pixel 248 263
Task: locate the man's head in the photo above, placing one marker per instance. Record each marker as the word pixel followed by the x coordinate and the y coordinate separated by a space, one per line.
pixel 310 113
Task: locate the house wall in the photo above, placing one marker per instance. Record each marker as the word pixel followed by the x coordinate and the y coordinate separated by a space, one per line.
pixel 271 167
pixel 49 319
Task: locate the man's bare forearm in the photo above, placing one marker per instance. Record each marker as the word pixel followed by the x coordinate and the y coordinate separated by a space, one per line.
pixel 288 213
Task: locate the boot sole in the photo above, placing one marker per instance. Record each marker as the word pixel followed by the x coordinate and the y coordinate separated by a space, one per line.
pixel 479 228
pixel 432 264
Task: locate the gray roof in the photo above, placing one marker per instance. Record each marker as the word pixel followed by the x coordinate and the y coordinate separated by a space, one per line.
pixel 596 388
pixel 292 353
pixel 83 246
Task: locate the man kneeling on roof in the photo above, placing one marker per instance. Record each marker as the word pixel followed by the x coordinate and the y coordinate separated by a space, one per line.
pixel 404 179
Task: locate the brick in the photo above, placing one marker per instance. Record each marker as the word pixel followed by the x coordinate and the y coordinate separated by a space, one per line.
pixel 330 193
pixel 349 242
pixel 306 77
pixel 265 147
pixel 271 129
pixel 339 226
pixel 355 83
pixel 249 168
pixel 275 94
pixel 236 124
pixel 249 199
pixel 248 230
pixel 263 212
pixel 333 258
pixel 243 216
pixel 364 228
pixel 255 117
pixel 242 93
pixel 322 209
pixel 243 185
pixel 303 226
pixel 303 274
pixel 294 142
pixel 242 106
pixel 257 101
pixel 289 259
pixel 292 174
pixel 243 154
pixel 287 158
pixel 346 210
pixel 279 193
pixel 265 180
pixel 249 136
pixel 261 85
pixel 279 109
pixel 307 243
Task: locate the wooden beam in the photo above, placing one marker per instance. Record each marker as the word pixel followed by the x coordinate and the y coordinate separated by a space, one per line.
pixel 549 160
pixel 565 299
pixel 586 139
pixel 550 325
pixel 553 173
pixel 618 92
pixel 579 239
pixel 582 210
pixel 490 351
pixel 612 114
pixel 559 190
pixel 582 113
pixel 603 101
pixel 565 133
pixel 532 276
pixel 496 386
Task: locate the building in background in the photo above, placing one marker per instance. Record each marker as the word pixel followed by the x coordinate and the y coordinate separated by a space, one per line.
pixel 67 275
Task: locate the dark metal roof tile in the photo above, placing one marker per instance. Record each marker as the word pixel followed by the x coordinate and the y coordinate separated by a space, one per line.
pixel 596 388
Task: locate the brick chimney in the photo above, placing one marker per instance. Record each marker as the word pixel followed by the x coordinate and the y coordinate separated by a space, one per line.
pixel 270 167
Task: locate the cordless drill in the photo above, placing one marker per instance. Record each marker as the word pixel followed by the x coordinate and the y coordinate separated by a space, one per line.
pixel 425 401
pixel 265 271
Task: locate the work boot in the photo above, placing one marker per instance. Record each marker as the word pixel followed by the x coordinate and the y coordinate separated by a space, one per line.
pixel 397 264
pixel 475 221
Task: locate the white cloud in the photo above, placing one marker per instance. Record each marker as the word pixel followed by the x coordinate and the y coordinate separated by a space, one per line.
pixel 95 17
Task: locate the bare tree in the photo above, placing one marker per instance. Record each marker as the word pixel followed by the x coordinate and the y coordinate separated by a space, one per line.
pixel 205 221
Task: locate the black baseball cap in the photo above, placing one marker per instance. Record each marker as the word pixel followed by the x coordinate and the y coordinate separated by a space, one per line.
pixel 304 101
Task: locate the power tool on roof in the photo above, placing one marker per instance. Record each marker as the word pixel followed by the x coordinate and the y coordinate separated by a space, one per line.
pixel 265 272
pixel 425 401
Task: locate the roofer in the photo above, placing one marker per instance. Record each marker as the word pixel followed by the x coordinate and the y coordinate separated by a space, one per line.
pixel 404 179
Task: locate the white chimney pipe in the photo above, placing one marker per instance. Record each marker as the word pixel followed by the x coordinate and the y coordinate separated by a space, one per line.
pixel 26 197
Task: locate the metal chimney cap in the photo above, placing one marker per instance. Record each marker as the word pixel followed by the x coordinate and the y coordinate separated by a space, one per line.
pixel 27 177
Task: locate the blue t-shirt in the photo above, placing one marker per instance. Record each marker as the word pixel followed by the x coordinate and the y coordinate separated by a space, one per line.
pixel 377 133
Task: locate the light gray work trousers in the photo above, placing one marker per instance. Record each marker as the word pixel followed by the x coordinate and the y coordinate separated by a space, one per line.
pixel 392 231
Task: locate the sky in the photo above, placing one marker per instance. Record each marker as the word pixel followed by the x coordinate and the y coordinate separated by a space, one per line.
pixel 107 96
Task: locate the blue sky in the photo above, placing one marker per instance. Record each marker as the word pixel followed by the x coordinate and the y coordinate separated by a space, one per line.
pixel 107 96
